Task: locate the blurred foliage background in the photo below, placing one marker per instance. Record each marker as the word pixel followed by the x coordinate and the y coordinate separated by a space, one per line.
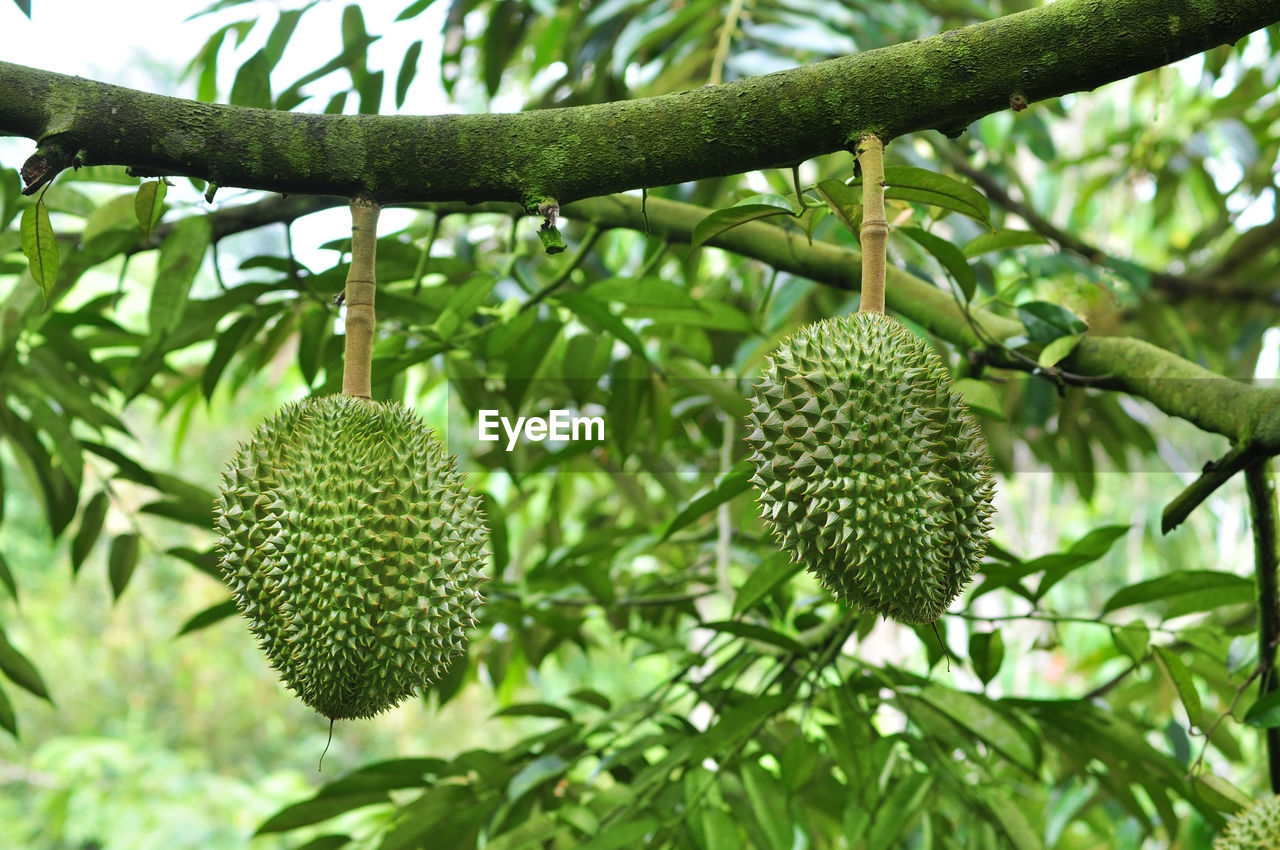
pixel 649 670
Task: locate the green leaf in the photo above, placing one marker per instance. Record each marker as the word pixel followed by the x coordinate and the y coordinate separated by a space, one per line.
pixel 1132 640
pixel 728 486
pixel 281 33
pixel 252 86
pixel 448 814
pixel 1180 676
pixel 980 716
pixel 843 200
pixel 751 631
pixel 19 670
pixel 908 183
pixel 948 255
pixel 721 220
pixel 91 521
pixel 535 773
pixel 121 562
pixel 1001 240
pixel 213 614
pixel 534 709
pixel 629 834
pixel 1046 321
pixel 8 719
pixel 1011 820
pixel 229 342
pixel 642 292
pixel 980 396
pixel 326 842
pixel 1265 713
pixel 384 776
pixel 698 378
pixel 1220 794
pixel 181 254
pixel 899 810
pixel 769 805
pixel 148 205
pixel 719 830
pixel 986 652
pixel 771 572
pixel 39 246
pixel 1084 551
pixel 6 577
pixel 408 70
pixel 1177 587
pixel 318 809
pixel 597 316
pixel 1055 352
pixel 414 9
pixel 462 304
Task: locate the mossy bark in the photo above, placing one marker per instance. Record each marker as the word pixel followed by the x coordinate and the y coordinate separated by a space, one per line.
pixel 1245 413
pixel 944 82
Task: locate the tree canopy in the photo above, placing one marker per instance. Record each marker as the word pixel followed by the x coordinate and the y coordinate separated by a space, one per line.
pixel 620 208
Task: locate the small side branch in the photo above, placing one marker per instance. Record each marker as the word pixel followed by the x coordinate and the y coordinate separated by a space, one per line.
pixel 357 370
pixel 1262 503
pixel 875 228
pixel 1215 474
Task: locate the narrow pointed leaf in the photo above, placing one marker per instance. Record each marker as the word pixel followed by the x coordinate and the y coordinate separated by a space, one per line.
pixel 181 254
pixel 39 246
pixel 121 562
pixel 1180 676
pixel 732 484
pixel 91 521
pixel 213 614
pixel 1001 240
pixel 721 220
pixel 1265 713
pixel 19 670
pixel 148 205
pixel 919 184
pixel 948 255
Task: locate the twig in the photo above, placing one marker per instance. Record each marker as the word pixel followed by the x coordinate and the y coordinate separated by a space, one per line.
pixel 1215 474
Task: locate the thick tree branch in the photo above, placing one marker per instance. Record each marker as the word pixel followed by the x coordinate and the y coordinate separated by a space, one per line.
pixel 944 82
pixel 1247 414
pixel 1260 484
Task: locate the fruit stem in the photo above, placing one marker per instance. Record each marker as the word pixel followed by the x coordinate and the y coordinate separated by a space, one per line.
pixel 875 228
pixel 357 370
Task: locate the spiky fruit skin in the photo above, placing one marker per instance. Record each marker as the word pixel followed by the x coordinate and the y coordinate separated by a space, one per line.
pixel 1254 828
pixel 354 548
pixel 870 470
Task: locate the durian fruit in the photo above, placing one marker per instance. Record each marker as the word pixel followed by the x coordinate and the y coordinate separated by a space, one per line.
pixel 1256 827
pixel 870 470
pixel 354 548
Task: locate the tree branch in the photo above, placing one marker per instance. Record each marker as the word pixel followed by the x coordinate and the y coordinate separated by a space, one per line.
pixel 1243 412
pixel 1266 539
pixel 944 82
pixel 1204 284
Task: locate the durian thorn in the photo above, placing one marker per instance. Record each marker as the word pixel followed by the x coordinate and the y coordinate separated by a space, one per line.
pixel 357 378
pixel 875 228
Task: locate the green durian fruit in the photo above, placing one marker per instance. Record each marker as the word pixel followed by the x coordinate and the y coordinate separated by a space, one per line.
pixel 871 471
pixel 354 547
pixel 1256 827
